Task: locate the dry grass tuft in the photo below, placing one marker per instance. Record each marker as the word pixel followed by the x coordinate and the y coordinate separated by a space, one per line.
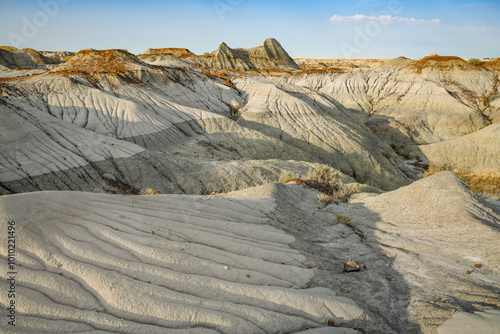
pixel 149 191
pixel 287 175
pixel 481 183
pixel 220 76
pixel 475 62
pixel 326 174
pixel 324 179
pixel 438 58
pixel 324 198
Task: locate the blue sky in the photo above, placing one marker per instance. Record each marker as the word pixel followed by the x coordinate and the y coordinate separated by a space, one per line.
pixel 316 29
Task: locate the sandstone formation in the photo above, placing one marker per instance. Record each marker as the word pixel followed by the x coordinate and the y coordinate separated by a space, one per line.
pixel 493 64
pixel 378 250
pixel 173 114
pixel 179 52
pixel 12 58
pixel 102 61
pixel 61 55
pixel 416 97
pixel 167 57
pixel 269 55
pixel 398 62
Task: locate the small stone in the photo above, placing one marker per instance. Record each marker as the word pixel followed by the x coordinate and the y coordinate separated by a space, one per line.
pixel 468 272
pixel 331 323
pixel 248 276
pixel 226 267
pixel 351 266
pixel 388 278
pixel 477 266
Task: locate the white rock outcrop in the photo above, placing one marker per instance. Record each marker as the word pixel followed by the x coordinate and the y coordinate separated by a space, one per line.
pixel 88 262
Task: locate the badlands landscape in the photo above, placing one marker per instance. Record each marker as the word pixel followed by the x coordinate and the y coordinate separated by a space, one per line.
pixel 243 191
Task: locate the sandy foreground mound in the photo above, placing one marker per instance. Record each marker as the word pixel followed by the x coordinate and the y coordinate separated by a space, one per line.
pixel 88 263
pixel 261 260
pixel 443 240
pixel 481 322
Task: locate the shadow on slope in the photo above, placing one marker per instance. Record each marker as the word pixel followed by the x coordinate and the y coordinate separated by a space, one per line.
pixel 430 250
pixel 327 244
pixel 442 238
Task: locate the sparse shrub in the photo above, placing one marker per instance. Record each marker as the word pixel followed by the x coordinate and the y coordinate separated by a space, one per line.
pixel 206 55
pixel 341 219
pixel 475 62
pixel 287 175
pixel 148 191
pixel 328 182
pixel 120 187
pixel 481 183
pixel 324 198
pixel 340 195
pixel 324 173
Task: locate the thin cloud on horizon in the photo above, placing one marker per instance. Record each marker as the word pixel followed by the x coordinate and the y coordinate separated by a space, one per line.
pixel 383 19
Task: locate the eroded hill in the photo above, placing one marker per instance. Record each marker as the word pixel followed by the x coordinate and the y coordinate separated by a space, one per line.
pixel 256 256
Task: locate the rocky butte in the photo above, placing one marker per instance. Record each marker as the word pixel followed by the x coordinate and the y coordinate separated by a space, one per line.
pixel 261 176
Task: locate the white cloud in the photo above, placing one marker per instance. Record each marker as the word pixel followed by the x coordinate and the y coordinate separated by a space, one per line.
pixel 383 19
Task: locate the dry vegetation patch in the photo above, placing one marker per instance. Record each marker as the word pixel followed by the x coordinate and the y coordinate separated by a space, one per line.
pixel 179 52
pixel 149 191
pixel 324 179
pixel 481 183
pixel 103 61
pixel 221 76
pixel 440 62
